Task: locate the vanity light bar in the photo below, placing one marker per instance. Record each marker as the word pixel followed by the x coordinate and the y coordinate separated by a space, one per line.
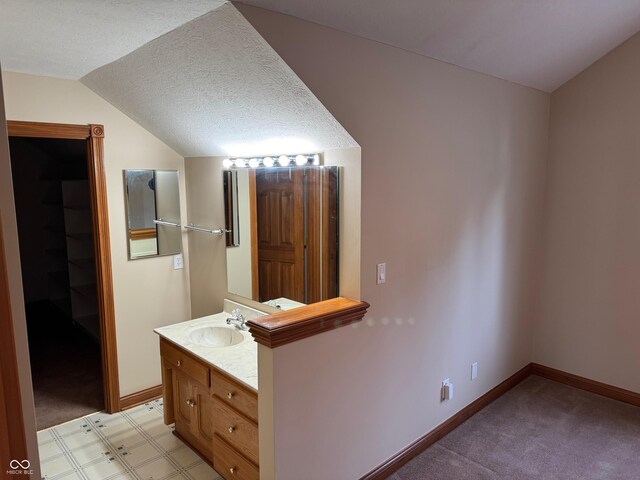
pixel 275 161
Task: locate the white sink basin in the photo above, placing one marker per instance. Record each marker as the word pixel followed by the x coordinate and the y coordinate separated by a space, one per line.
pixel 215 336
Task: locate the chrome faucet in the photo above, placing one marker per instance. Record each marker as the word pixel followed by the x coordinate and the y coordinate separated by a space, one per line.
pixel 237 319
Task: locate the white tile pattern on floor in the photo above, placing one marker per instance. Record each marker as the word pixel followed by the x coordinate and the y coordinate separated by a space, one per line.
pixel 135 444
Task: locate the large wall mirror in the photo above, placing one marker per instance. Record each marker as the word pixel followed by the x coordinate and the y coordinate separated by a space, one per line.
pixel 282 248
pixel 153 213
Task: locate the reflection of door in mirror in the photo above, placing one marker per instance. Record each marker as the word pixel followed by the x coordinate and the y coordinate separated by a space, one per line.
pixel 152 195
pixel 287 250
pixel 280 202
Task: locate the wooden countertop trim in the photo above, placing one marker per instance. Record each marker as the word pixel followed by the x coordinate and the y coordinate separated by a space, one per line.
pixel 293 325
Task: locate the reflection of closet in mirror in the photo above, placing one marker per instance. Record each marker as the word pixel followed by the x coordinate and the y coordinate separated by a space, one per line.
pixel 284 245
pixel 153 213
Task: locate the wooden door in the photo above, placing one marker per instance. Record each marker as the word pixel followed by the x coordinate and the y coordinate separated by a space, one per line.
pixel 280 232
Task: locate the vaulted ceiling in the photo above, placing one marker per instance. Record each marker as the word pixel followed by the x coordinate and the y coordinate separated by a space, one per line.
pixel 198 76
pixel 215 87
pixel 537 43
pixel 70 38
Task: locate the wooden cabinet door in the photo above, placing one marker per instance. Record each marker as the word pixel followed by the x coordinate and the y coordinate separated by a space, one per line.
pixel 280 227
pixel 182 401
pixel 202 426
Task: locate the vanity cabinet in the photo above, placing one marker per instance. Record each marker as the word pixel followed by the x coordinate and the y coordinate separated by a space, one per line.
pixel 193 411
pixel 213 413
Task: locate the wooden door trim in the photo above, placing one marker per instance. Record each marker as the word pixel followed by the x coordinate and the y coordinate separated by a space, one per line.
pixel 94 135
pixel 48 130
pixel 13 442
pixel 253 221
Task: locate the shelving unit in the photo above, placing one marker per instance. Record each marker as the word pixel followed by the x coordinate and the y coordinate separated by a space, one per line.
pixel 55 248
pixel 80 256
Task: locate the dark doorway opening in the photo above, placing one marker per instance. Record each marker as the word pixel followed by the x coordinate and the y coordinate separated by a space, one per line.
pixel 55 230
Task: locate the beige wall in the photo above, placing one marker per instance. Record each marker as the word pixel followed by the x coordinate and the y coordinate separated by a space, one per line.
pixel 148 293
pixel 208 262
pixel 453 171
pixel 588 323
pixel 349 218
pixel 12 256
pixel 239 277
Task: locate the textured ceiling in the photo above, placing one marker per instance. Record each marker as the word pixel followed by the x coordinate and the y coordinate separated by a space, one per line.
pixel 70 38
pixel 214 87
pixel 538 43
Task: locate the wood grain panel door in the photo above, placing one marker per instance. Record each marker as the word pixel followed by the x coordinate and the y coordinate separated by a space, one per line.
pixel 280 221
pixel 203 423
pixel 182 396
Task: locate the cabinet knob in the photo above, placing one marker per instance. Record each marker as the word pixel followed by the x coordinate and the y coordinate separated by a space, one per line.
pixel 231 429
pixel 230 395
pixel 233 470
pixel 179 363
pixel 191 403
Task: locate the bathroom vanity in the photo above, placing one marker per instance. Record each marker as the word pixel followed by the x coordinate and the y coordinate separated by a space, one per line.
pixel 209 379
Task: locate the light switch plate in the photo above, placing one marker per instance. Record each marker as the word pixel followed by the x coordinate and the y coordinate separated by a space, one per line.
pixel 474 370
pixel 178 262
pixel 381 273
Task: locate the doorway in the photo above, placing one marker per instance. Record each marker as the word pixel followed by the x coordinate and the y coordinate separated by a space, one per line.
pixel 60 197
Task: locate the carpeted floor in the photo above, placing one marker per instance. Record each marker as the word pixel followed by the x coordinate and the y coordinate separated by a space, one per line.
pixel 65 367
pixel 540 430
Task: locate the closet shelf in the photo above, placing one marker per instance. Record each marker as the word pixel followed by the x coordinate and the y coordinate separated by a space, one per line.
pixel 79 208
pixel 87 290
pixel 85 263
pixel 83 237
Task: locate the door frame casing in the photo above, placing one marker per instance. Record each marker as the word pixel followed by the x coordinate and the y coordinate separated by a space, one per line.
pixel 93 134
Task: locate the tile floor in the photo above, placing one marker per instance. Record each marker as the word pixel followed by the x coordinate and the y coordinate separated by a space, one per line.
pixel 135 444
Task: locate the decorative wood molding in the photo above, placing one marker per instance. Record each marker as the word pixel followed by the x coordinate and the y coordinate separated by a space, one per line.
pixel 138 398
pixel 102 248
pixel 293 325
pixel 385 469
pixel 616 393
pixel 93 134
pixel 49 130
pixel 253 222
pixel 142 233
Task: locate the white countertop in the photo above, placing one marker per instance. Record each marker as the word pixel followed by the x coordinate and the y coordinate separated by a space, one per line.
pixel 240 361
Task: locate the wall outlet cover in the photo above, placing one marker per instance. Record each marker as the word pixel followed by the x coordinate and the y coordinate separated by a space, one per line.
pixel 178 262
pixel 381 273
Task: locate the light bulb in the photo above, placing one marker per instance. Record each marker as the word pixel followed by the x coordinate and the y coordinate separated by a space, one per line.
pixel 227 163
pixel 301 160
pixel 254 163
pixel 267 162
pixel 240 162
pixel 283 160
pixel 316 159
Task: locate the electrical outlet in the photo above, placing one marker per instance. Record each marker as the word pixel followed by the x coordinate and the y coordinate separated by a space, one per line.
pixel 178 262
pixel 474 370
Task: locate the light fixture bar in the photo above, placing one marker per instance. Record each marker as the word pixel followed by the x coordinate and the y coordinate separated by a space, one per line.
pixel 300 160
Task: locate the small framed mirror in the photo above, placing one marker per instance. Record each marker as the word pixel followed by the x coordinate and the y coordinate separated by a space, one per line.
pixel 153 213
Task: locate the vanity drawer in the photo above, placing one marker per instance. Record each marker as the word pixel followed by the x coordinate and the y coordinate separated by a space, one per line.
pixel 232 394
pixel 237 430
pixel 184 362
pixel 230 464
